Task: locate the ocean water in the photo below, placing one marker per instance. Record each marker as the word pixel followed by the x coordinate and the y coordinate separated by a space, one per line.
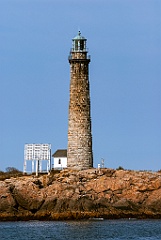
pixel 87 230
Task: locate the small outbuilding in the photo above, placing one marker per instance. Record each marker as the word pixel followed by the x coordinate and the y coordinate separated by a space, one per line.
pixel 60 159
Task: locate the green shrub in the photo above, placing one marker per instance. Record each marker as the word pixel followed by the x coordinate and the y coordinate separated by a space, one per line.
pixel 10 172
pixel 120 168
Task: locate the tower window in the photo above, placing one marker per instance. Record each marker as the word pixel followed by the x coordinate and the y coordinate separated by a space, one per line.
pixel 59 161
pixel 81 45
pixel 76 45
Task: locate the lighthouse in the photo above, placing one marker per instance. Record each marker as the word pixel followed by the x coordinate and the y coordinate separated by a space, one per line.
pixel 79 152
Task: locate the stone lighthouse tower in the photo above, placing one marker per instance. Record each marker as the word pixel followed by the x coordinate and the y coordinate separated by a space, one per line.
pixel 79 153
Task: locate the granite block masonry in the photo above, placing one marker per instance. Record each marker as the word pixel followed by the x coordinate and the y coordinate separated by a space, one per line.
pixel 79 153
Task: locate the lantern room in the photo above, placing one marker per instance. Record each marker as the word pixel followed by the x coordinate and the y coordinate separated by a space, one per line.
pixel 79 43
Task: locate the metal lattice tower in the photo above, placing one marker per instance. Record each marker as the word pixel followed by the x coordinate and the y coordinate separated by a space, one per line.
pixel 79 153
pixel 37 154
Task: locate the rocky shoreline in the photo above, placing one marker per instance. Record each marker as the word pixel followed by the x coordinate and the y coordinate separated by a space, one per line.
pixel 86 194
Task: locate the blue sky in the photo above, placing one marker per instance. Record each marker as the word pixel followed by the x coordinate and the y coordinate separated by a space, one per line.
pixel 124 41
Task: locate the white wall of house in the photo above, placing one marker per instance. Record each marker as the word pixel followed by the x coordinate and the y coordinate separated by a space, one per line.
pixel 60 162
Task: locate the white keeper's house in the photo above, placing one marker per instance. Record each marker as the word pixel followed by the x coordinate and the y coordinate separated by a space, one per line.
pixel 60 159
